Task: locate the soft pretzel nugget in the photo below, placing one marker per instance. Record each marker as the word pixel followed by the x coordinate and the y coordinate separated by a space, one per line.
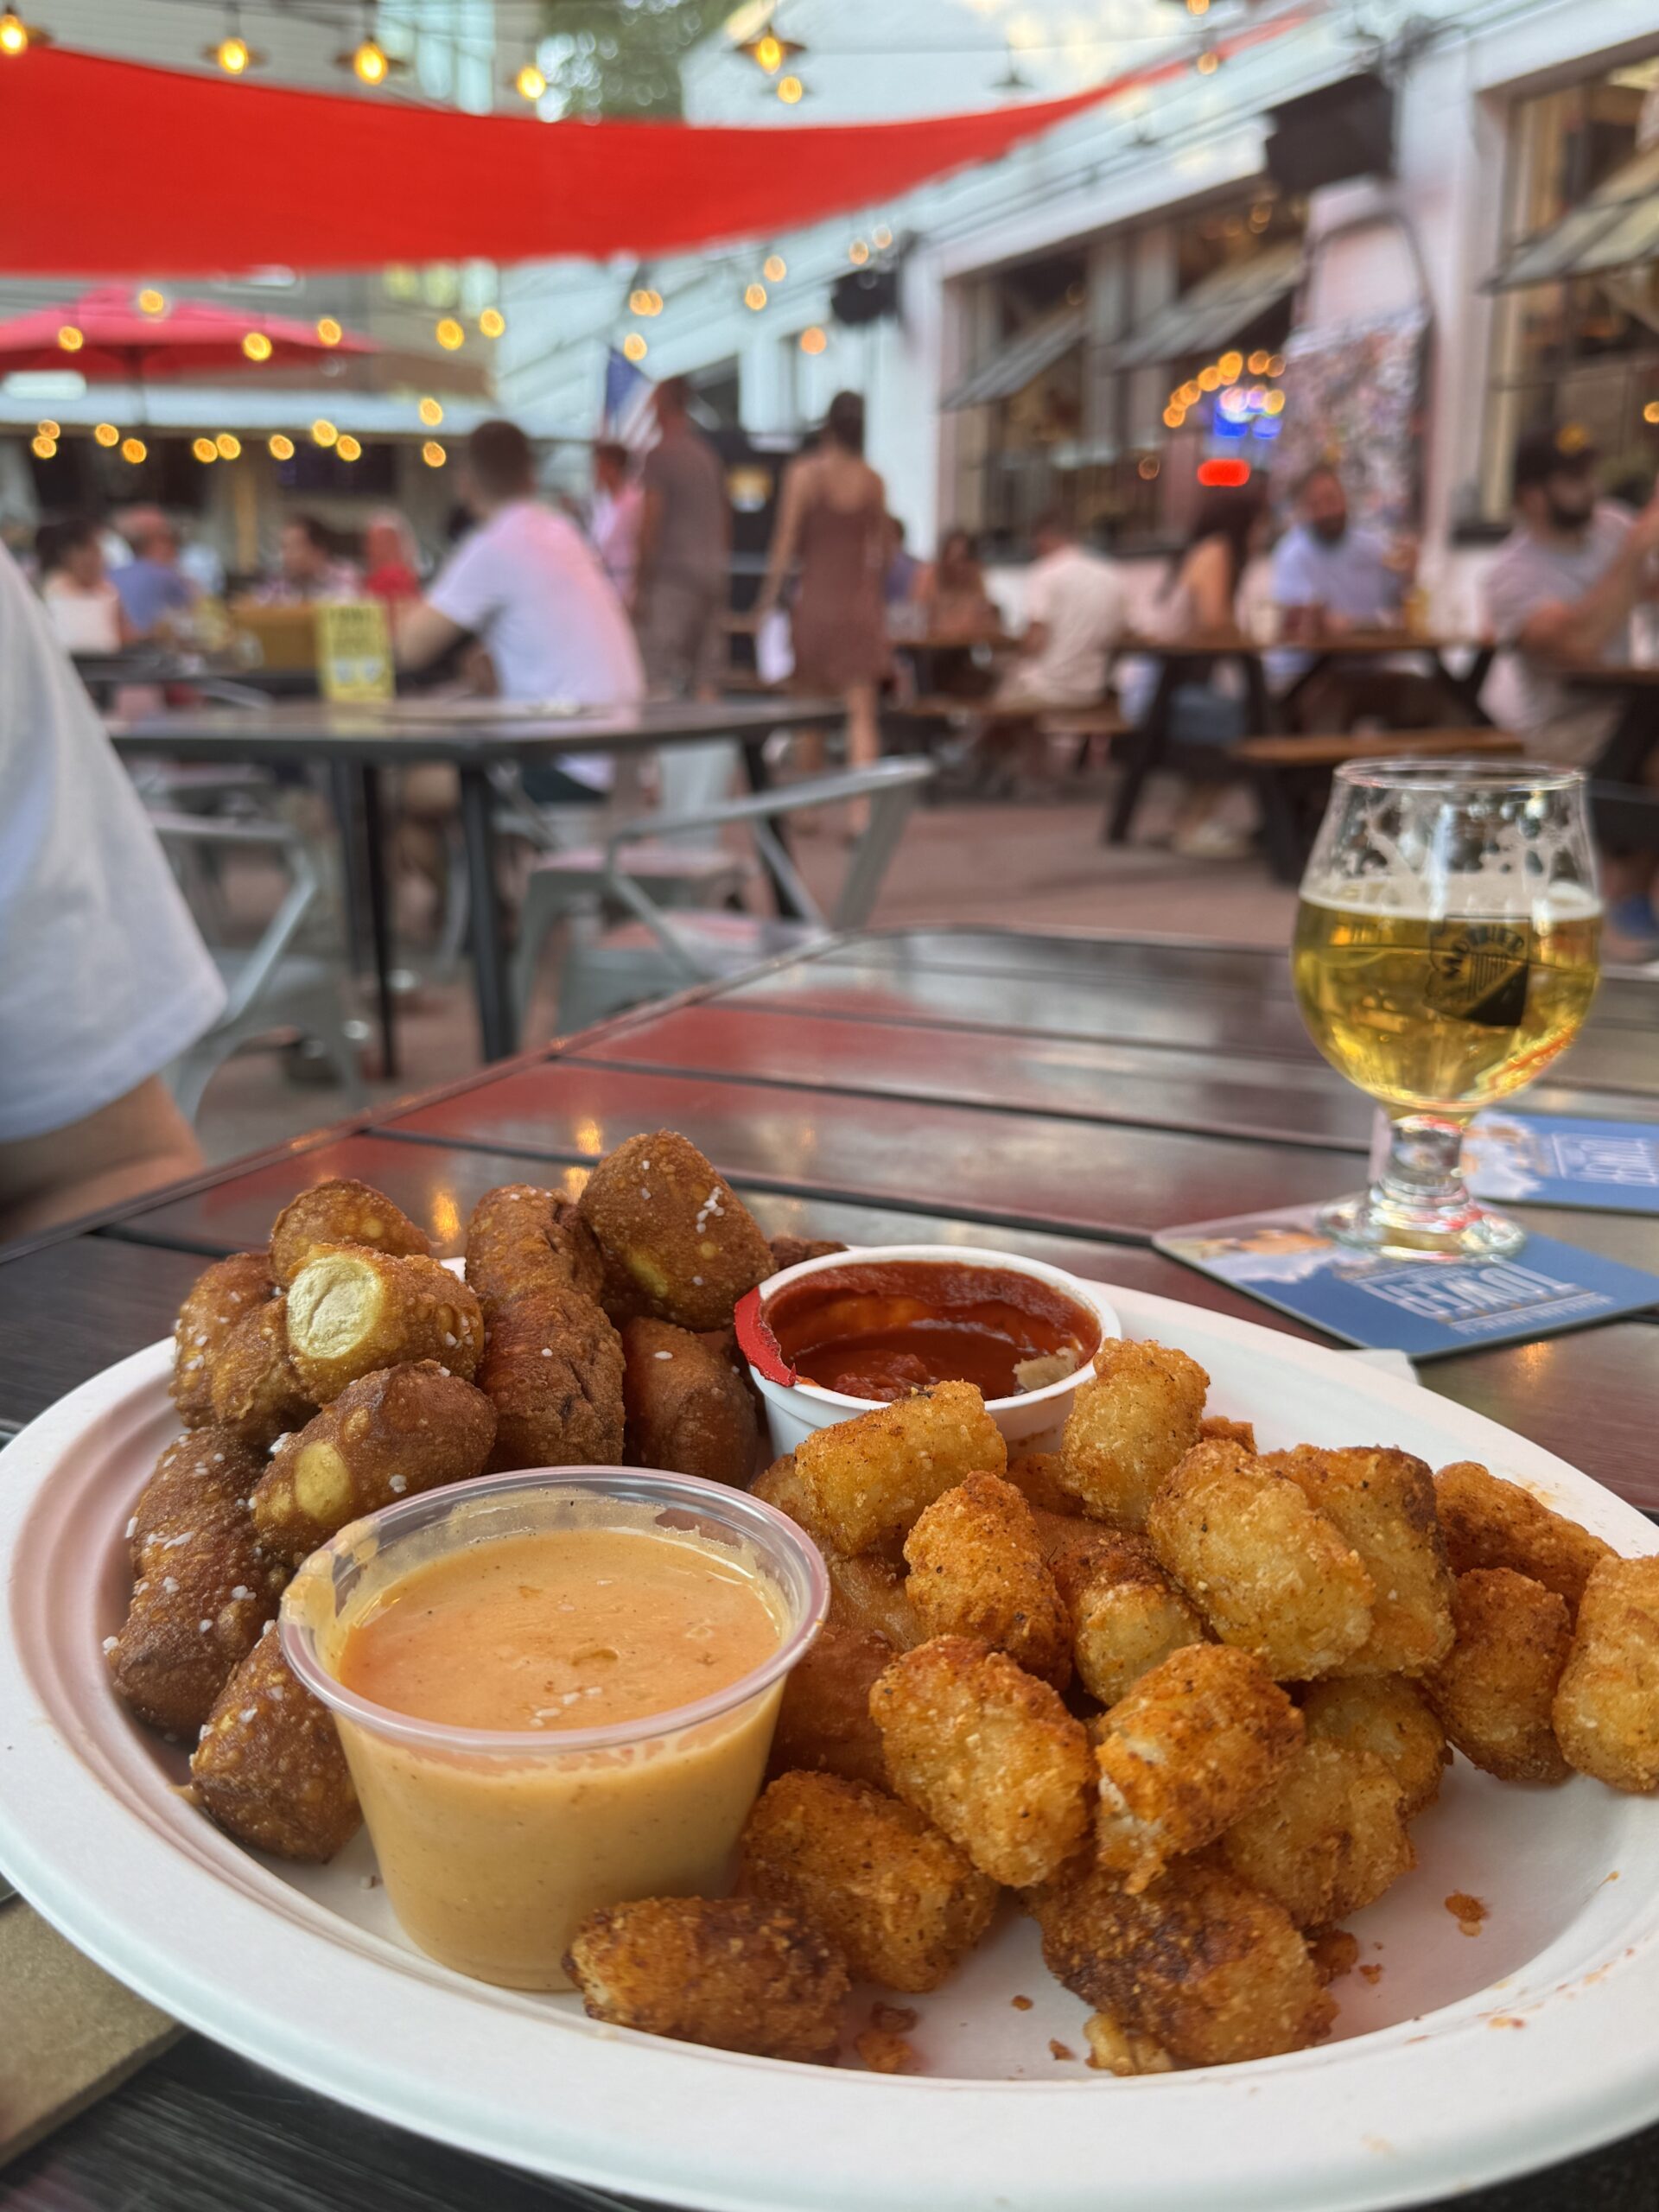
pixel 675 1229
pixel 736 1972
pixel 988 1754
pixel 269 1768
pixel 553 1370
pixel 521 1238
pixel 1267 1571
pixel 1127 1615
pixel 1389 1717
pixel 687 1410
pixel 824 1722
pixel 257 1390
pixel 340 1212
pixel 1328 1840
pixel 215 1302
pixel 1383 1502
pixel 976 1569
pixel 203 1472
pixel 868 1479
pixel 1493 1692
pixel 790 1251
pixel 1128 1425
pixel 388 1435
pixel 899 1902
pixel 1606 1711
pixel 351 1310
pixel 1489 1523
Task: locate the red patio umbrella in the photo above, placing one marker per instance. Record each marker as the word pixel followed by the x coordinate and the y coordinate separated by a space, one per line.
pixel 106 336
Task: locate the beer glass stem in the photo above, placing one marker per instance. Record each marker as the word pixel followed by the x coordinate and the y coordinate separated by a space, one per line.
pixel 1423 1167
pixel 1420 1204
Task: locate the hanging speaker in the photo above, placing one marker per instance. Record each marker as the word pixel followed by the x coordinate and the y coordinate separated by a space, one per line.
pixel 865 295
pixel 1342 130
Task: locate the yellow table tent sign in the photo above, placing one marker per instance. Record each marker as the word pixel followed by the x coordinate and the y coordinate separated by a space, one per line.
pixel 354 649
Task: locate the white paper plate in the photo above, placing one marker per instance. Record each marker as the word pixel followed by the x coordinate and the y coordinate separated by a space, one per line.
pixel 1466 2059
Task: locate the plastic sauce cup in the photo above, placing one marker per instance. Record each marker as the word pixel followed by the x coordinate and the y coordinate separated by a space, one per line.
pixel 494 1844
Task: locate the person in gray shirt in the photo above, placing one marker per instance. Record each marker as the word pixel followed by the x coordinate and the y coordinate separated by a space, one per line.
pixel 685 532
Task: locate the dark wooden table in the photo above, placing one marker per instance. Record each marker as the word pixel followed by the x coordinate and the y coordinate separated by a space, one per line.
pixel 1064 1096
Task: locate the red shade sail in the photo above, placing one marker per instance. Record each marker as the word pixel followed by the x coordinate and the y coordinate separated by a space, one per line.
pixel 117 339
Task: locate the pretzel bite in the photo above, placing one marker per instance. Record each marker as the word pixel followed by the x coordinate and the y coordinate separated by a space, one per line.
pixel 1036 1475
pixel 1268 1571
pixel 1489 1523
pixel 388 1435
pixel 736 1972
pixel 1126 1614
pixel 1114 2049
pixel 202 1473
pixel 899 1902
pixel 1382 1503
pixel 553 1370
pixel 1216 1428
pixel 1196 1743
pixel 1328 1840
pixel 1129 1425
pixel 988 1754
pixel 976 1569
pixel 215 1302
pixel 521 1238
pixel 340 1212
pixel 1201 1964
pixel 675 1230
pixel 351 1310
pixel 1389 1717
pixel 1606 1711
pixel 202 1595
pixel 867 1480
pixel 687 1412
pixel 1493 1692
pixel 824 1722
pixel 269 1768
pixel 790 1251
pixel 256 1389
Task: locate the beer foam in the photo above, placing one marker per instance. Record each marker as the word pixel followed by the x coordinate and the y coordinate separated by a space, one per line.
pixel 1474 895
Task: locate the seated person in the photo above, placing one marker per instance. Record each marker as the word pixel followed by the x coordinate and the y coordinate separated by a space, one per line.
pixel 1332 576
pixel 308 566
pixel 151 586
pixel 81 601
pixel 1074 616
pixel 952 589
pixel 390 557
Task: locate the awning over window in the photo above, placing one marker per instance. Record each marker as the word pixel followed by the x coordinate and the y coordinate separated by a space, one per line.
pixel 1019 360
pixel 1217 310
pixel 1617 227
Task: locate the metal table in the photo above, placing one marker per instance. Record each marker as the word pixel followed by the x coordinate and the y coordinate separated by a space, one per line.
pixel 1062 1097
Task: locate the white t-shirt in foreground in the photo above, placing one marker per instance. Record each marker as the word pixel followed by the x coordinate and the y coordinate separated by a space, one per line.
pixel 528 585
pixel 104 978
pixel 1078 599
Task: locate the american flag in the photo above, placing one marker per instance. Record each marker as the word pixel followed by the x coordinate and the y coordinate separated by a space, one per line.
pixel 630 416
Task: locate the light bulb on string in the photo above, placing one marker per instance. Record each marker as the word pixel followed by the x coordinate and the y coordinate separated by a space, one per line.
pixel 768 51
pixel 16 37
pixel 233 54
pixel 134 450
pixel 882 237
pixel 323 432
pixel 70 339
pixel 813 339
pixel 755 297
pixel 329 331
pixel 204 450
pixel 450 334
pixel 227 445
pixel 42 447
pixel 430 413
pixel 433 453
pixel 858 253
pixel 791 90
pixel 280 446
pixel 530 83
pixel 493 323
pixel 774 268
pixel 150 301
pixel 1208 62
pixel 347 446
pixel 634 348
pixel 107 434
pixel 257 346
pixel 49 428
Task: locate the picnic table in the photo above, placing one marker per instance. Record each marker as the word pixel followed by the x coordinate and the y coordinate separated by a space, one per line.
pixel 1062 1097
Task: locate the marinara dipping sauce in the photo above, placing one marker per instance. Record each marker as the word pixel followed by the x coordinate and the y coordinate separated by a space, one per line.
pixel 556 1692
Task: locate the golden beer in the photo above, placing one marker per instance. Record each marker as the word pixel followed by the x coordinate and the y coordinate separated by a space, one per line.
pixel 1444 1016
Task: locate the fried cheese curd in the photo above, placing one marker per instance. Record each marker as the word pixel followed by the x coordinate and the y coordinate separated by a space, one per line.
pixel 340 1212
pixel 1129 1424
pixel 520 1238
pixel 1269 1571
pixel 1494 1691
pixel 552 1368
pixel 388 1435
pixel 868 1480
pixel 1329 1838
pixel 738 1974
pixel 1114 2049
pixel 351 1310
pixel 823 1721
pixel 220 1296
pixel 1193 1747
pixel 1382 1504
pixel 256 1388
pixel 1488 1522
pixel 1126 1615
pixel 687 1409
pixel 976 1568
pixel 1389 1717
pixel 988 1754
pixel 269 1768
pixel 675 1229
pixel 901 1901
pixel 867 1593
pixel 1606 1709
pixel 1036 1475
pixel 1201 1965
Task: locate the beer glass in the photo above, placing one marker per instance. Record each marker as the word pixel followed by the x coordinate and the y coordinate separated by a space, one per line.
pixel 1445 953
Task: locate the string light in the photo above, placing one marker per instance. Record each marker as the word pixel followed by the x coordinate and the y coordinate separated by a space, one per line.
pixel 1274 404
pixel 1173 416
pixel 150 301
pixel 1258 363
pixel 634 348
pixel 43 447
pixel 204 450
pixel 49 428
pixel 107 434
pixel 882 236
pixel 1188 396
pixel 329 331
pixel 433 453
pixel 430 413
pixel 858 253
pixel 645 302
pixel 1209 378
pixel 813 339
pixel 449 334
pixel 789 91
pixel 530 83
pixel 774 268
pixel 134 450
pixel 16 37
pixel 755 297
pixel 1198 7
pixel 1208 62
pixel 280 446
pixel 70 339
pixel 368 61
pixel 257 346
pixel 228 445
pixel 1231 367
pixel 1650 412
pixel 492 323
pixel 1276 364
pixel 233 55
pixel 1149 466
pixel 323 432
pixel 347 448
pixel 769 53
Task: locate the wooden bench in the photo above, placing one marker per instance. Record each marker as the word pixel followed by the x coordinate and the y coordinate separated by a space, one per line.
pixel 1291 776
pixel 1085 726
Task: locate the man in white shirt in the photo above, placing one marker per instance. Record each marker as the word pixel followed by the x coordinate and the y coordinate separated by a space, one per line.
pixel 1074 616
pixel 103 977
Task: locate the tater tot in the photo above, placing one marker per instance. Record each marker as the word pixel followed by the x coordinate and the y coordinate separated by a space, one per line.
pixel 352 1311
pixel 868 1479
pixel 687 1411
pixel 521 1237
pixel 1126 1615
pixel 1606 1711
pixel 340 1212
pixel 737 1973
pixel 1268 1571
pixel 1201 1964
pixel 202 1471
pixel 1217 1428
pixel 257 1390
pixel 1487 1522
pixel 1036 1475
pixel 220 1297
pixel 1197 1742
pixel 1389 1717
pixel 1129 1425
pixel 552 1369
pixel 976 1569
pixel 388 1435
pixel 201 1597
pixel 1382 1503
pixel 1114 2049
pixel 899 1902
pixel 1493 1692
pixel 1328 1840
pixel 675 1229
pixel 988 1754
pixel 270 1768
pixel 824 1722
pixel 871 1594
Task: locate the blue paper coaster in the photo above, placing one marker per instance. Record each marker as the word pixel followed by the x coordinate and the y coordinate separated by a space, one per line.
pixel 1550 1159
